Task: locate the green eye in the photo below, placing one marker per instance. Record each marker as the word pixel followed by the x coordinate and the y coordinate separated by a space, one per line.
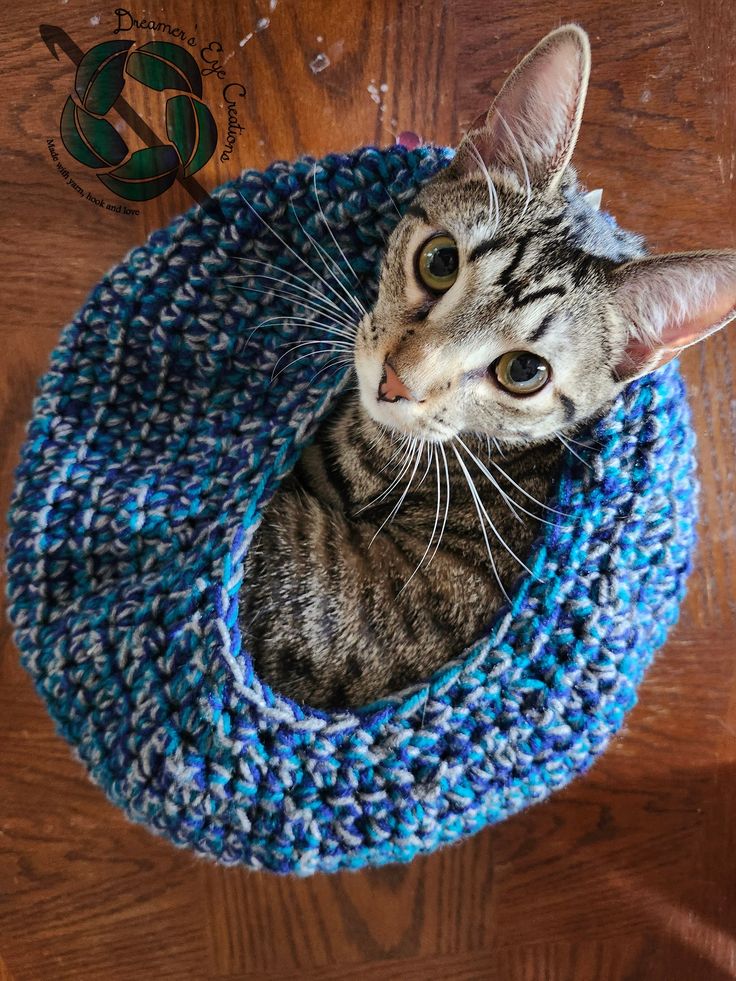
pixel 521 372
pixel 438 263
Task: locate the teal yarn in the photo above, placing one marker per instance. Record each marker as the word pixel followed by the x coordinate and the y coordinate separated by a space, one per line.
pixel 157 440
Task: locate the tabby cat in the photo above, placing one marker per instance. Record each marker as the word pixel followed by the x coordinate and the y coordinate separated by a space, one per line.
pixel 509 312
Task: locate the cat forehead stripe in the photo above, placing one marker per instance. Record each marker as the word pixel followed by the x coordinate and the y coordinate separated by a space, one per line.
pixel 489 245
pixel 418 212
pixel 545 325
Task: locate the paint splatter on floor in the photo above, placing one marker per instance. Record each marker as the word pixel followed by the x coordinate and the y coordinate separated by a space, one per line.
pixel 319 63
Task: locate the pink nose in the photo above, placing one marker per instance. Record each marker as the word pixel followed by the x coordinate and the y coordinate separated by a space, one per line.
pixel 392 388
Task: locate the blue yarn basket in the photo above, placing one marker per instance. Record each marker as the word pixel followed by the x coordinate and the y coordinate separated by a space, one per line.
pixel 157 440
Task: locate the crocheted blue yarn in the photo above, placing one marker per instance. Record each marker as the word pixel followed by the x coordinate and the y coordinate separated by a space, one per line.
pixel 157 440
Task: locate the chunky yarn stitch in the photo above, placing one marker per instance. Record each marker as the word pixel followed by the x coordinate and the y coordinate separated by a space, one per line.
pixel 157 440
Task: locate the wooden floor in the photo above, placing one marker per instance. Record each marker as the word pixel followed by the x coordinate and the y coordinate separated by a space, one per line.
pixel 631 872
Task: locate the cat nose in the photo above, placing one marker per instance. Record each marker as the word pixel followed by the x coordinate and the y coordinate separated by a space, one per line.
pixel 391 388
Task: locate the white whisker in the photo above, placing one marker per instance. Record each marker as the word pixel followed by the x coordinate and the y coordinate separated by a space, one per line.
pixel 492 480
pixel 327 225
pixel 525 492
pixel 512 504
pixel 331 266
pixel 305 322
pixel 474 495
pixel 416 452
pixel 447 500
pixel 303 283
pixel 432 454
pixel 493 528
pixel 290 249
pixel 306 301
pixel 571 450
pixel 336 364
pixel 341 346
pixel 406 448
pixel 311 354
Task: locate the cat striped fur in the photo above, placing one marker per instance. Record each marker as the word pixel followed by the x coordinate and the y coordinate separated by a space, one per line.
pixel 402 529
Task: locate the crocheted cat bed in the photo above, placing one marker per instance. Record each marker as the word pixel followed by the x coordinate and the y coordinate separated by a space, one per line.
pixel 156 442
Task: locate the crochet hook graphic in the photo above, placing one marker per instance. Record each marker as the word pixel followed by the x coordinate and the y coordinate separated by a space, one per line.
pixel 55 38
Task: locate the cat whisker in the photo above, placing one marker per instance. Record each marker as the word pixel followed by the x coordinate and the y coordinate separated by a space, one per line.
pixel 526 493
pixel 311 354
pixel 326 328
pixel 300 282
pixel 447 499
pixel 495 531
pixel 587 446
pixel 476 502
pixel 334 365
pixel 405 448
pixel 324 257
pixel 305 301
pixel 432 454
pixel 392 463
pixel 494 483
pixel 391 199
pixel 509 501
pixel 573 451
pixel 429 464
pixel 336 346
pixel 416 455
pixel 333 333
pixel 322 328
pixel 302 302
pixel 327 225
pixel 289 248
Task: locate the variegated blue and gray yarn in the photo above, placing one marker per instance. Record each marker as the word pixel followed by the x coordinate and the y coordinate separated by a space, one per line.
pixel 155 443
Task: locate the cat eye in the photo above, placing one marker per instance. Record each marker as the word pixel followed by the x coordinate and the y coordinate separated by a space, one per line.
pixel 521 372
pixel 438 263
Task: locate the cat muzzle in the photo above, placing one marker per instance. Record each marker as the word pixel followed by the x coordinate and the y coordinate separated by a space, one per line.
pixel 391 388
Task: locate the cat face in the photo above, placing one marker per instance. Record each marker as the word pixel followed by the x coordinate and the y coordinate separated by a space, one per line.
pixel 508 305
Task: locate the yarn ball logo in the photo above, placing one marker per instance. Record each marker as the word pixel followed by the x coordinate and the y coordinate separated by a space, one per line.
pixel 93 141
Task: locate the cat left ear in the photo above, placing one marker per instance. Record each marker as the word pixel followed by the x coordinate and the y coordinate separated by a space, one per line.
pixel 671 302
pixel 532 127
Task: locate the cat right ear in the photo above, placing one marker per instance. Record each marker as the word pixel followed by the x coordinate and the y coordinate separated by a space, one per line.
pixel 532 127
pixel 670 302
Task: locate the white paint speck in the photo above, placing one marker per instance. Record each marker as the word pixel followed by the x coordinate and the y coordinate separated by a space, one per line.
pixel 263 23
pixel 94 20
pixel 373 92
pixel 244 40
pixel 320 39
pixel 319 63
pixel 383 87
pixel 646 95
pixel 273 4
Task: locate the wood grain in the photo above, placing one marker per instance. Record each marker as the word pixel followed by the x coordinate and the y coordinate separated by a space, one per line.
pixel 628 874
